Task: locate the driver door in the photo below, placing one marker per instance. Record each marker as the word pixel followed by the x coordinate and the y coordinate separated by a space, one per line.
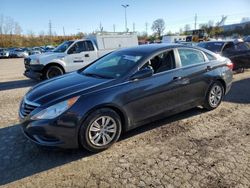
pixel 79 55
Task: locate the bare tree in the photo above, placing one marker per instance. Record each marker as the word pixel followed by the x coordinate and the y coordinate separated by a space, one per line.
pixel 8 25
pixel 17 29
pixel 245 19
pixel 187 27
pixel 158 26
pixel 1 23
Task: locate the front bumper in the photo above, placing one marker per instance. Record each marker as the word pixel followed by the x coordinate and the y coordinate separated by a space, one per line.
pixel 50 133
pixel 33 71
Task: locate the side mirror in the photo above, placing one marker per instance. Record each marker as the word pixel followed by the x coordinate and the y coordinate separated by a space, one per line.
pixel 144 73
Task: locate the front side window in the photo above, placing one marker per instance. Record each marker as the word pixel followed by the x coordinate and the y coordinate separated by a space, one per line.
pixel 113 65
pixel 162 62
pixel 190 57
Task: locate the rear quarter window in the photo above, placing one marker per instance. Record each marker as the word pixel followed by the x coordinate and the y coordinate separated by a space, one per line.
pixel 210 57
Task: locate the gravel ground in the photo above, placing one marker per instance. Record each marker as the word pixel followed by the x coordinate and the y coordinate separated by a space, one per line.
pixel 192 149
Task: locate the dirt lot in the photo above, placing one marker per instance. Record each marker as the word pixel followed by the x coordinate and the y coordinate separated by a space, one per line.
pixel 193 149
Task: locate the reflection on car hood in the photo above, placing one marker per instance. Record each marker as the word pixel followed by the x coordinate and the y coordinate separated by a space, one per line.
pixel 55 90
pixel 47 56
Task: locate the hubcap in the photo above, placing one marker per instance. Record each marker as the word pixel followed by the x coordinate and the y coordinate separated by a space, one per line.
pixel 215 96
pixel 102 131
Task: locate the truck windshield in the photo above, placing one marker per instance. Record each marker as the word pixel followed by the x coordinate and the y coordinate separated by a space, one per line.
pixel 63 47
pixel 113 65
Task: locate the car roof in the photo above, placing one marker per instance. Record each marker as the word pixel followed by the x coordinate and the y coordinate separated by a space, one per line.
pixel 151 48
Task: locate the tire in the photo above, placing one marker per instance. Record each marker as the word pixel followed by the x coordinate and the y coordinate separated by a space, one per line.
pixel 94 133
pixel 214 96
pixel 240 70
pixel 52 71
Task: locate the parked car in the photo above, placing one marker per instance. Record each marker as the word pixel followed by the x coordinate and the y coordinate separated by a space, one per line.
pixel 237 50
pixel 48 49
pixel 75 54
pixel 122 90
pixel 4 53
pixel 19 52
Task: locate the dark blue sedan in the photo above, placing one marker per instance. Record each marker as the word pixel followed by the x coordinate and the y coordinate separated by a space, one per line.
pixel 120 91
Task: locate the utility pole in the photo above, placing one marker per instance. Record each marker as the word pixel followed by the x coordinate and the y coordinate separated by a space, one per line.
pixel 195 21
pixel 126 24
pixel 63 31
pixel 146 25
pixel 133 27
pixel 50 28
pixel 114 28
pixel 101 27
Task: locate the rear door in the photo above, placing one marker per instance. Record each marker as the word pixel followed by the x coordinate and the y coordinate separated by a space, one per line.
pixel 194 67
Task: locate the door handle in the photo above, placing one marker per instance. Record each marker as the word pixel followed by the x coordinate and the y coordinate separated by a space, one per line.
pixel 177 78
pixel 181 81
pixel 209 68
pixel 86 55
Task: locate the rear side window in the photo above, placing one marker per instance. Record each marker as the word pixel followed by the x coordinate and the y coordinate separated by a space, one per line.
pixel 89 46
pixel 190 57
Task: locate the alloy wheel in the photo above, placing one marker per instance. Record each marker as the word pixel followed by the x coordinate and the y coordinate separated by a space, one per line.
pixel 215 95
pixel 102 131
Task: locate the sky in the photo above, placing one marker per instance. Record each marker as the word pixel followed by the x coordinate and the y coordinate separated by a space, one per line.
pixel 86 15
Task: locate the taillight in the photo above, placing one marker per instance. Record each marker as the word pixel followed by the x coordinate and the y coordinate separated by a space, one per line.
pixel 230 65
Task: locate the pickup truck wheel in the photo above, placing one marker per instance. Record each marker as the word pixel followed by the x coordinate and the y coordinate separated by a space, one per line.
pixel 53 71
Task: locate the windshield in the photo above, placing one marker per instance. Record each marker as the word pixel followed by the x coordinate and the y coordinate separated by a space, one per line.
pixel 212 46
pixel 63 47
pixel 113 65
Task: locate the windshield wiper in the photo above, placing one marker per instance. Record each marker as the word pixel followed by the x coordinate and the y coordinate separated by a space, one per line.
pixel 98 76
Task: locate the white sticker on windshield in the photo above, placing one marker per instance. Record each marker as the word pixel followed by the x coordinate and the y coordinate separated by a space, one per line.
pixel 131 58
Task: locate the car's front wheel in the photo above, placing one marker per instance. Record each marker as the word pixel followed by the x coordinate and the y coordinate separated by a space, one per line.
pixel 100 130
pixel 214 96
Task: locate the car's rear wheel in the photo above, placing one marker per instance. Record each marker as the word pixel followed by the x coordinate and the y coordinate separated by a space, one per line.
pixel 214 96
pixel 53 71
pixel 100 130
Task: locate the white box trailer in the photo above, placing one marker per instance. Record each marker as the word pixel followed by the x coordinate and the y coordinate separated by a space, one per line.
pixel 75 54
pixel 174 38
pixel 114 41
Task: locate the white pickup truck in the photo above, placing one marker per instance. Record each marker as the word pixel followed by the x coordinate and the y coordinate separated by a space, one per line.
pixel 75 54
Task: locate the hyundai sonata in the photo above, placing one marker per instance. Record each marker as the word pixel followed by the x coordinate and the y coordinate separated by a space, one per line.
pixel 120 91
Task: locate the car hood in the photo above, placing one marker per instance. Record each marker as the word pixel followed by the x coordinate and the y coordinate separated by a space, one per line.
pixel 63 87
pixel 47 56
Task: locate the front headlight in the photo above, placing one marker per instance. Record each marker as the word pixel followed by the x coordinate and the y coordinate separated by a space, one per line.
pixel 55 110
pixel 34 61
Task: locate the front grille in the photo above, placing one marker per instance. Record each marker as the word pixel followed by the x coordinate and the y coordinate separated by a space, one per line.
pixel 27 107
pixel 27 61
